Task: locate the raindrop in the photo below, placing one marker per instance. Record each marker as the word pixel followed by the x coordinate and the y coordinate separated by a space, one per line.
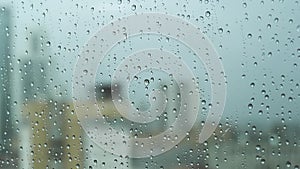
pixel 48 43
pixel 146 82
pixel 207 13
pixel 133 7
pixel 288 164
pixel 249 35
pixel 250 106
pixel 220 30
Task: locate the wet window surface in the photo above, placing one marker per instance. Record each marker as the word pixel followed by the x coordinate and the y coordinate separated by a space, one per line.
pixel 129 84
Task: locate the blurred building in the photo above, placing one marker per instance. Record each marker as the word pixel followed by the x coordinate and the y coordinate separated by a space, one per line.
pixel 4 76
pixel 51 136
pixel 6 127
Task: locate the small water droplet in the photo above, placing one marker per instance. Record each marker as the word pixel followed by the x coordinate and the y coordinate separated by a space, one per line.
pixel 207 13
pixel 133 7
pixel 250 106
pixel 146 82
pixel 48 43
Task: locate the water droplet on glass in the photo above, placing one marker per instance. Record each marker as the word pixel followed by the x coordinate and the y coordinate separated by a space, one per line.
pixel 207 14
pixel 146 82
pixel 133 7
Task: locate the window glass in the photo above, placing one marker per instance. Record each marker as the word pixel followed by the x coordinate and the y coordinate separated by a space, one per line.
pixel 149 84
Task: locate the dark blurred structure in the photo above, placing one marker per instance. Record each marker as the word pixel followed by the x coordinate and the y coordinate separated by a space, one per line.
pixel 34 72
pixel 6 127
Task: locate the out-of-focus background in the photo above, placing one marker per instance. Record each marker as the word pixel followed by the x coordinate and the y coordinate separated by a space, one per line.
pixel 258 42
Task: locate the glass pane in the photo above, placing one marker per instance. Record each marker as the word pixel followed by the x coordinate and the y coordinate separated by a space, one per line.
pixel 149 84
